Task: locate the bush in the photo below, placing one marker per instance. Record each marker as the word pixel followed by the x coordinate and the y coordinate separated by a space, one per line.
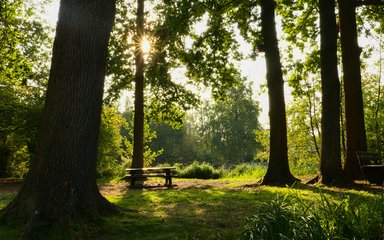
pixel 200 170
pixel 295 219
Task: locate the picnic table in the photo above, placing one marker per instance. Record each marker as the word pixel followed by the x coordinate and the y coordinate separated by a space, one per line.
pixel 372 167
pixel 143 173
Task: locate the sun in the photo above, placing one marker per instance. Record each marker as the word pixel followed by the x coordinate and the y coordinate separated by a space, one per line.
pixel 145 45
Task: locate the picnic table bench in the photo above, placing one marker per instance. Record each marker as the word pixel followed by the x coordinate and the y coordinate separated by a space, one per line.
pixel 143 173
pixel 372 167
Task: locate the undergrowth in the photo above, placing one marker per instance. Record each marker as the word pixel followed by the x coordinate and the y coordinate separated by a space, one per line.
pixel 201 170
pixel 291 217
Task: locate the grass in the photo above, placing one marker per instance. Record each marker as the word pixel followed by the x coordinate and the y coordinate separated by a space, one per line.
pixel 210 211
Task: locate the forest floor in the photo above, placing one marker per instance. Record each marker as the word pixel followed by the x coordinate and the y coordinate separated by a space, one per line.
pixel 12 186
pixel 195 209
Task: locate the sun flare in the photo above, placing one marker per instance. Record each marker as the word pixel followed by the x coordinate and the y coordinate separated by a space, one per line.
pixel 145 45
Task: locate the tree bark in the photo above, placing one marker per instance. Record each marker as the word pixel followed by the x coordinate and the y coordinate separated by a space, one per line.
pixel 278 167
pixel 330 157
pixel 4 156
pixel 138 129
pixel 61 184
pixel 354 112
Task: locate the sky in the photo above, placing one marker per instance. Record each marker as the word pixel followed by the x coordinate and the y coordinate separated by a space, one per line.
pixel 253 70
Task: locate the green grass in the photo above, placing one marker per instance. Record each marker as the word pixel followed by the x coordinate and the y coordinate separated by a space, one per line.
pixel 211 212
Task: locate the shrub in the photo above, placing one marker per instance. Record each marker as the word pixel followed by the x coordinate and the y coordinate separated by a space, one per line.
pixel 200 170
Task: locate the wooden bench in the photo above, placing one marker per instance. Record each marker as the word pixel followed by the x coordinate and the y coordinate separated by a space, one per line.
pixel 372 167
pixel 143 173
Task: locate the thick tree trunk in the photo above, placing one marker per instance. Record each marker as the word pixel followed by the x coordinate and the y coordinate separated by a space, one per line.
pixel 354 112
pixel 138 129
pixel 330 157
pixel 278 168
pixel 61 185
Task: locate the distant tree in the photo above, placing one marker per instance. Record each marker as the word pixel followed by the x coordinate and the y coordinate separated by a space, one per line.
pixel 373 109
pixel 330 158
pixel 303 133
pixel 278 167
pixel 178 145
pixel 61 185
pixel 231 126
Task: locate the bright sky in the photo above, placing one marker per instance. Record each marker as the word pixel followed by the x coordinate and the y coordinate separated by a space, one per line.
pixel 254 71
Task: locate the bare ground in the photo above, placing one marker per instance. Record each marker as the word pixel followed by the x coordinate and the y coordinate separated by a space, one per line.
pixel 12 186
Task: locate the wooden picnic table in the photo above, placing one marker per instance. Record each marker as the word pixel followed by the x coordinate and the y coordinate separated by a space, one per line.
pixel 142 173
pixel 372 167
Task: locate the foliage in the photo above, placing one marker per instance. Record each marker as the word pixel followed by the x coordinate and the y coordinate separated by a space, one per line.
pixel 127 134
pixel 262 137
pixel 109 161
pixel 200 170
pixel 178 144
pixel 168 100
pixel 24 54
pixel 247 171
pixel 230 126
pixel 277 220
pixel 290 217
pixel 219 132
pixel 303 133
pixel 373 107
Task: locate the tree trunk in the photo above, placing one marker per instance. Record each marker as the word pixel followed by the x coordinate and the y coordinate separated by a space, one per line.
pixel 354 112
pixel 330 157
pixel 4 156
pixel 138 129
pixel 61 184
pixel 312 124
pixel 278 168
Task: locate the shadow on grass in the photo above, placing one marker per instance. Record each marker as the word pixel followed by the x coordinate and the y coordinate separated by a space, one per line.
pixel 206 212
pixel 200 213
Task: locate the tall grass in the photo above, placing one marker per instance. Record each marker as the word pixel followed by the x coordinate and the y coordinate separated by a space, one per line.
pixel 247 171
pixel 294 218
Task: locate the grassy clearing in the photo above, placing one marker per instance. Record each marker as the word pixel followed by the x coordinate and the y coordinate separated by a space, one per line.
pixel 209 212
pixel 213 209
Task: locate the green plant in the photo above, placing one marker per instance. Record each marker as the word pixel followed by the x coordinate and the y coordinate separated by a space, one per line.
pixel 200 170
pixel 294 218
pixel 279 220
pixel 247 170
pixel 349 219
